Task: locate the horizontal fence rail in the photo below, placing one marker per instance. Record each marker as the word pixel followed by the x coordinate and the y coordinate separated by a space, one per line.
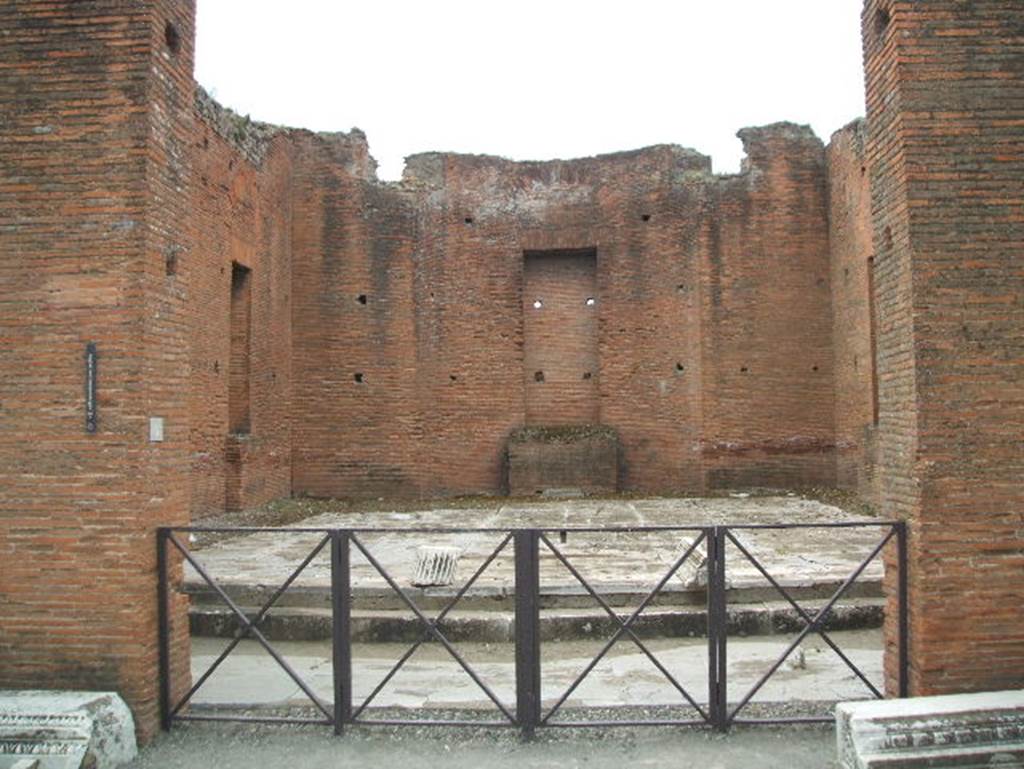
pixel 527 712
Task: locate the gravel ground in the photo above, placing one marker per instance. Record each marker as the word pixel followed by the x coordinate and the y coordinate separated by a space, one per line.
pixel 244 747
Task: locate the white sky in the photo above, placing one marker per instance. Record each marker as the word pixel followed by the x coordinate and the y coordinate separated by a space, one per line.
pixel 535 79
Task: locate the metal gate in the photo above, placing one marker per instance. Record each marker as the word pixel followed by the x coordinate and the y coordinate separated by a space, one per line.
pixel 528 713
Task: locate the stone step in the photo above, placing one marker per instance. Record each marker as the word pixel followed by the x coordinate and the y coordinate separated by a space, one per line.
pixel 502 597
pixel 386 626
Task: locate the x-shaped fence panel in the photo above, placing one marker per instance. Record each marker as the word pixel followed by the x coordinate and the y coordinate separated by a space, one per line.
pixel 625 628
pixel 529 546
pixel 247 628
pixel 431 631
pixel 814 621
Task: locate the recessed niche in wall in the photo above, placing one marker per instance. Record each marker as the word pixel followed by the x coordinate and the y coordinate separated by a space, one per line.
pixel 814 368
pixel 646 217
pixel 743 369
pixel 560 341
pixel 170 264
pixel 680 368
pixel 468 220
pixel 240 331
pixel 361 299
pixel 453 378
pixel 358 376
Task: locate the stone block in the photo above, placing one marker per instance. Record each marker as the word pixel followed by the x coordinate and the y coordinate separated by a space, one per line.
pixel 962 730
pixel 65 730
pixel 583 458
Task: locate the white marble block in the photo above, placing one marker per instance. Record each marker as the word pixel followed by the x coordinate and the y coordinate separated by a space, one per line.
pixel 961 730
pixel 65 729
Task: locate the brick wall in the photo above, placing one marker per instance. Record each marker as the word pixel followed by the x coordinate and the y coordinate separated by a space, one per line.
pixel 355 416
pixel 389 351
pixel 945 89
pixel 767 338
pixel 242 216
pixel 854 332
pixel 708 343
pixel 97 100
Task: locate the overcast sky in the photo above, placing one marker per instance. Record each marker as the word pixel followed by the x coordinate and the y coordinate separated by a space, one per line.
pixel 535 79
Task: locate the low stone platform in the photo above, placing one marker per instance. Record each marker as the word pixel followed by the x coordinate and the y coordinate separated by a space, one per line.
pixel 584 458
pixel 622 567
pixel 65 730
pixel 963 730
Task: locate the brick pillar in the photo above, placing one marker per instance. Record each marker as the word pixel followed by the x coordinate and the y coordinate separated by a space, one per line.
pixel 96 101
pixel 945 101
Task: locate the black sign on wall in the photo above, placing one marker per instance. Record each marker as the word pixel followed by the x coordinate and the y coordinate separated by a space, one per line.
pixel 90 388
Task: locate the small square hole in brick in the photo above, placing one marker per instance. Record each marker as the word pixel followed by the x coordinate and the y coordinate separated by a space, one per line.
pixel 172 37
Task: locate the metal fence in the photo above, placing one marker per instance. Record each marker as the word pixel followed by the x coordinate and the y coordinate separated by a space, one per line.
pixel 528 712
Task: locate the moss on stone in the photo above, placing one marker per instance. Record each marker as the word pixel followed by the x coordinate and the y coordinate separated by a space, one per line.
pixel 562 434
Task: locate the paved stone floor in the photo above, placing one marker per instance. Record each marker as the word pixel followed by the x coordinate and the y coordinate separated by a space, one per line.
pixel 432 679
pixel 794 556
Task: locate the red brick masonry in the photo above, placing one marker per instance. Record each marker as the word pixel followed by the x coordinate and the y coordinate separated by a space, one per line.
pixel 849 315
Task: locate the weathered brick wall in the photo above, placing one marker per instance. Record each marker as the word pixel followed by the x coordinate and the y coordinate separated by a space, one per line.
pixel 96 100
pixel 478 216
pixel 852 260
pixel 707 292
pixel 242 218
pixel 945 89
pixel 356 422
pixel 386 332
pixel 767 337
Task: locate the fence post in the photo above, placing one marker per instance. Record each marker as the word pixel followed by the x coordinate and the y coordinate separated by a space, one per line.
pixel 527 586
pixel 718 708
pixel 341 623
pixel 164 628
pixel 904 641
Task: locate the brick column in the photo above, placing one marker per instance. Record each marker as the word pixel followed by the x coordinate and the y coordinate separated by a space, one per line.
pixel 96 102
pixel 945 101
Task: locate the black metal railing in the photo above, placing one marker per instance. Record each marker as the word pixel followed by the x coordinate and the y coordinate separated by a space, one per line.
pixel 527 713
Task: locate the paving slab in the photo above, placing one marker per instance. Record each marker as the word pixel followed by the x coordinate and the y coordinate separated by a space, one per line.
pixel 625 677
pixel 630 562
